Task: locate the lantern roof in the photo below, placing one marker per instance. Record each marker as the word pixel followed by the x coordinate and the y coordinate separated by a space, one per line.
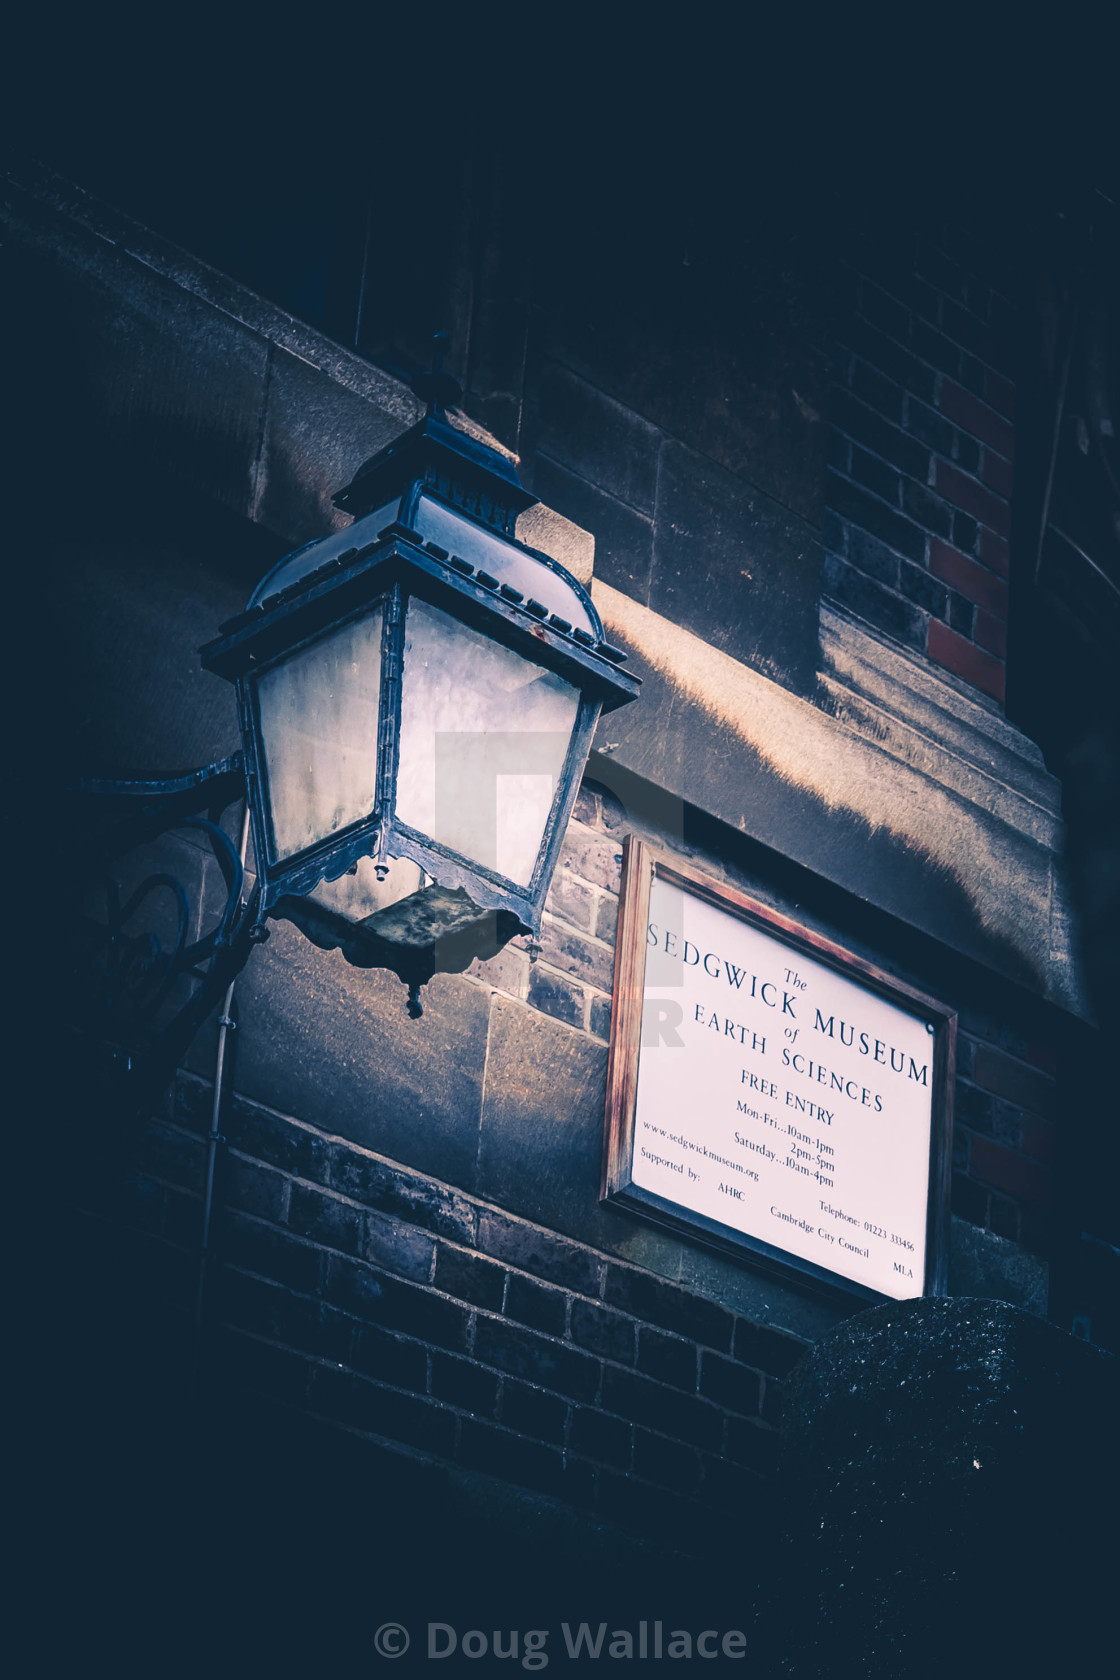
pixel 512 569
pixel 471 472
pixel 455 498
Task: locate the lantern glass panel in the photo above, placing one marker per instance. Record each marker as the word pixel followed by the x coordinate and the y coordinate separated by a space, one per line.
pixel 318 715
pixel 484 736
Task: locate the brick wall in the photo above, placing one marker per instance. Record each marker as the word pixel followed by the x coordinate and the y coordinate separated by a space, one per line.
pixel 922 449
pixel 382 1300
pixel 1003 1136
pixel 571 979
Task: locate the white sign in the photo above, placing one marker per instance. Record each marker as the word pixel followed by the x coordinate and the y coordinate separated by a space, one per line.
pixel 780 1098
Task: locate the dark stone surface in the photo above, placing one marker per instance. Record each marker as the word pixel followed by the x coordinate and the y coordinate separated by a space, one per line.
pixel 539 1252
pixel 623 537
pixel 470 1278
pixel 602 1331
pixel 731 1385
pixel 334 1045
pixel 542 1119
pixel 668 1358
pixel 399 1195
pixel 316 435
pixel 128 615
pixel 172 382
pixel 867 428
pixel 600 1024
pixel 924 591
pixel 556 996
pixel 868 600
pixel 662 325
pixel 951 1473
pixel 931 427
pixel 538 1359
pixel 536 1305
pixel 929 510
pixel 871 555
pixel 874 474
pixel 852 503
pixel 675 1309
pixel 736 568
pixel 596 437
pixel 683 1416
pixel 678 740
pixel 983 1263
pixel 890 358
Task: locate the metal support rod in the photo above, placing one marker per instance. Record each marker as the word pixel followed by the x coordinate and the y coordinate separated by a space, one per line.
pixel 227 1023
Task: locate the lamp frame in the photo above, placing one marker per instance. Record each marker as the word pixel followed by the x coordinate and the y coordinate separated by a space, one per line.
pixel 396 567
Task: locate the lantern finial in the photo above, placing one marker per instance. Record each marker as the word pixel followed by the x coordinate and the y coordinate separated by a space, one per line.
pixel 433 386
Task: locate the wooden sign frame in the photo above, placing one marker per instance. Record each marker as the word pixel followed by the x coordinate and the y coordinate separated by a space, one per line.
pixel 641 864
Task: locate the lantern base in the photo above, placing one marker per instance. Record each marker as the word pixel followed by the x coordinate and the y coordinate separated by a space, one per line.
pixel 438 930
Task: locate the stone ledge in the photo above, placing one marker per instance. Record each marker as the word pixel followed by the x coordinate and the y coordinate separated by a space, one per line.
pixel 858 664
pixel 120 231
pixel 983 1264
pixel 305 412
pixel 926 831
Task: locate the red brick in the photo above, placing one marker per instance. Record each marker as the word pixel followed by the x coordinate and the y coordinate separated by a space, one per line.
pixel 1004 1170
pixel 1000 392
pixel 969 579
pixel 1008 1077
pixel 995 553
pixel 991 633
pixel 996 471
pixel 965 659
pixel 976 417
pixel 969 494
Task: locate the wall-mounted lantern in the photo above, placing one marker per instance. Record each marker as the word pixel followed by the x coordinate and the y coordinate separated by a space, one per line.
pixel 420 689
pixel 417 695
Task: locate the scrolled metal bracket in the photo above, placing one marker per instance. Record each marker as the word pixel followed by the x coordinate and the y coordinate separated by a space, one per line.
pixel 124 979
pixel 438 929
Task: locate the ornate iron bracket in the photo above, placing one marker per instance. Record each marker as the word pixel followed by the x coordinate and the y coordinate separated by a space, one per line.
pixel 132 977
pixel 125 980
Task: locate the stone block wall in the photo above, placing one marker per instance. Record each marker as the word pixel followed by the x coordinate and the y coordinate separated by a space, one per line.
pixel 677 530
pixel 922 448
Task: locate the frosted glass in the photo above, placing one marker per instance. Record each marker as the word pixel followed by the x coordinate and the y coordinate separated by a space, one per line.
pixel 301 562
pixel 484 735
pixel 318 714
